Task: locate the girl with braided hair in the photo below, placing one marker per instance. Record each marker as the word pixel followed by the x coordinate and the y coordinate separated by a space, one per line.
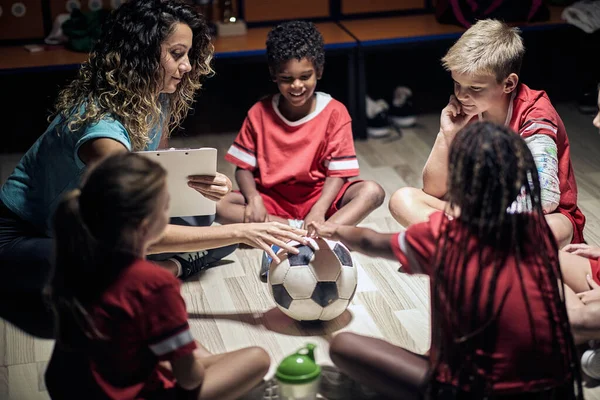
pixel 499 324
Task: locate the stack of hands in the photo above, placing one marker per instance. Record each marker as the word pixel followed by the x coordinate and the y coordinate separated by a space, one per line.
pixel 264 234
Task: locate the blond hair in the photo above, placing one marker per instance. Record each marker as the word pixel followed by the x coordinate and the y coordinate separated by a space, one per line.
pixel 488 47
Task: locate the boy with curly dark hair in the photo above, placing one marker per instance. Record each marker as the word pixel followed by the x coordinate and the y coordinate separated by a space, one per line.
pixel 295 151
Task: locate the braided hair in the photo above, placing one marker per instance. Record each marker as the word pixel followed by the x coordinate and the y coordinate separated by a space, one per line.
pixel 494 193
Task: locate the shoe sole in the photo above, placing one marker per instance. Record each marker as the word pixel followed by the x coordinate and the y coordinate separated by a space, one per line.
pixel 404 122
pixel 586 360
pixel 378 132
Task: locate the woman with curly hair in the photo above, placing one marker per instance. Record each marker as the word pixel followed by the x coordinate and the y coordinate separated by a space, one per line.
pixel 136 88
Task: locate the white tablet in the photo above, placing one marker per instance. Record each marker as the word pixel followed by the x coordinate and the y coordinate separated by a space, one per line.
pixel 181 163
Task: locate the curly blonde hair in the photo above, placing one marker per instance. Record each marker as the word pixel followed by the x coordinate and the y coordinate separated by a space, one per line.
pixel 123 77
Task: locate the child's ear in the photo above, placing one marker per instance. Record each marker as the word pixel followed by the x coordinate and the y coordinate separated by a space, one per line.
pixel 144 227
pixel 319 73
pixel 510 83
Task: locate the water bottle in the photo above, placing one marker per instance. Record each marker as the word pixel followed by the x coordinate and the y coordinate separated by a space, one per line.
pixel 298 375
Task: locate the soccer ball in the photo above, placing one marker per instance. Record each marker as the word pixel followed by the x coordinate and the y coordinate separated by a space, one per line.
pixel 314 285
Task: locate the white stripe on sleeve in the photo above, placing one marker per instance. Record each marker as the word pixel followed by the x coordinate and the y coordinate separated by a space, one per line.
pixel 415 267
pixel 342 165
pixel 242 156
pixel 173 343
pixel 540 125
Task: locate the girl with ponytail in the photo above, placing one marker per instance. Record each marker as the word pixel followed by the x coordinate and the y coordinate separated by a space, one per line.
pixel 121 323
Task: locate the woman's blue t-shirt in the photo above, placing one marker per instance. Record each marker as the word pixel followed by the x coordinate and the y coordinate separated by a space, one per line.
pixel 52 167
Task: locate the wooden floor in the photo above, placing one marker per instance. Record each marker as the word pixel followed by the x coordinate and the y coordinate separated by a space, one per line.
pixel 230 308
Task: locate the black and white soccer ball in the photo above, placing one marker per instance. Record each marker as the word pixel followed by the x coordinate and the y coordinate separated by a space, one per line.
pixel 314 285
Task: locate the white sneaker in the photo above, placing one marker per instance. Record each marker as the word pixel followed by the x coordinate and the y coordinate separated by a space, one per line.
pixel 590 363
pixel 402 112
pixel 378 124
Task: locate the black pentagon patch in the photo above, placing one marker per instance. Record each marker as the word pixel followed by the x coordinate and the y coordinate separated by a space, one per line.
pixel 325 293
pixel 302 258
pixel 281 296
pixel 343 255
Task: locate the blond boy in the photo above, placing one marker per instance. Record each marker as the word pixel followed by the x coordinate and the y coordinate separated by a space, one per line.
pixel 485 63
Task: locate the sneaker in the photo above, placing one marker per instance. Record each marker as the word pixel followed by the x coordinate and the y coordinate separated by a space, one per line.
pixel 192 263
pixel 378 123
pixel 590 363
pixel 265 264
pixel 402 112
pixel 334 384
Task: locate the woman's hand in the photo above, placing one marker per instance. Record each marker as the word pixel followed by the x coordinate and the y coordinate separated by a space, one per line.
pixel 263 235
pixel 212 187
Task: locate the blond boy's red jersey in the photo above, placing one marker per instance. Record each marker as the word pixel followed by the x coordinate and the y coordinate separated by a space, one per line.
pixel 533 114
pixel 303 152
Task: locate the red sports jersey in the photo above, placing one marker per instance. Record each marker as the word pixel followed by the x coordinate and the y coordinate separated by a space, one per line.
pixel 303 152
pixel 291 159
pixel 145 320
pixel 531 113
pixel 519 363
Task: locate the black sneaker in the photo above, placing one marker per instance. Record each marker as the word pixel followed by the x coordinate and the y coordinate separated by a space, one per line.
pixel 378 123
pixel 402 112
pixel 192 263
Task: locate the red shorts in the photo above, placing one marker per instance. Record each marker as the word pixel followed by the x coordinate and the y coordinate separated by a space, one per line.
pixel 595 266
pixel 296 201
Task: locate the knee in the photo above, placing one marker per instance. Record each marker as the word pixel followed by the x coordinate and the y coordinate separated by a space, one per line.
pixel 342 345
pixel 402 199
pixel 373 193
pixel 260 360
pixel 561 228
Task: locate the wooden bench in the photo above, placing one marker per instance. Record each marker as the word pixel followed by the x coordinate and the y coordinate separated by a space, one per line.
pixel 375 34
pixel 15 59
pixel 352 37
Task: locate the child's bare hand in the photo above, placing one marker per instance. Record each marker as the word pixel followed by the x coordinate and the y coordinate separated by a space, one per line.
pixel 583 250
pixel 327 230
pixel 212 187
pixel 591 295
pixel 311 218
pixel 255 210
pixel 453 118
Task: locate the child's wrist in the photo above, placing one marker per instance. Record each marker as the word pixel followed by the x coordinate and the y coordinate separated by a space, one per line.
pixel 253 197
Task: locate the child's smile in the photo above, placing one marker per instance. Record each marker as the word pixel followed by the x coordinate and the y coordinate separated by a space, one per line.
pixel 297 80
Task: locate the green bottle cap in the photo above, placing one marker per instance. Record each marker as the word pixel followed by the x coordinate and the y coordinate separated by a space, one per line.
pixel 299 367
